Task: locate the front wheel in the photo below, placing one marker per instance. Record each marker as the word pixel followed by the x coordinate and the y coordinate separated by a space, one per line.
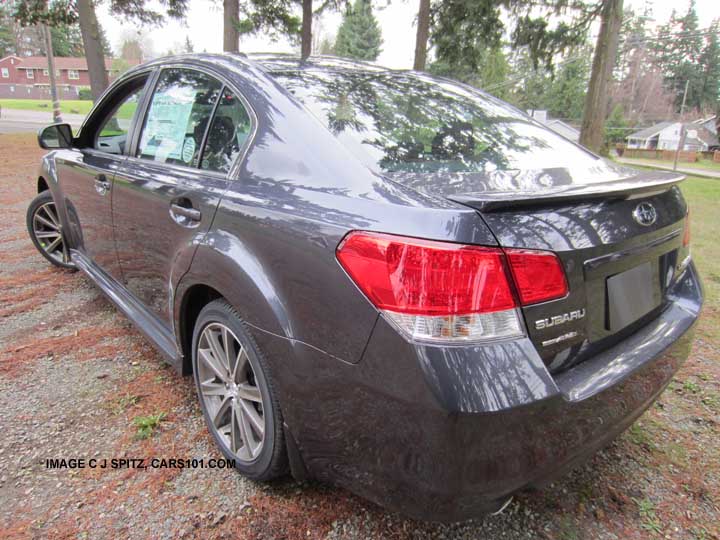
pixel 43 223
pixel 236 393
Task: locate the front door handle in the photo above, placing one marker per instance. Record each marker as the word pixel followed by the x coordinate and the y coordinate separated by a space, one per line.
pixel 179 212
pixel 102 184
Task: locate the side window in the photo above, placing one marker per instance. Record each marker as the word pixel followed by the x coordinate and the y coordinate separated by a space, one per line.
pixel 113 133
pixel 178 115
pixel 229 130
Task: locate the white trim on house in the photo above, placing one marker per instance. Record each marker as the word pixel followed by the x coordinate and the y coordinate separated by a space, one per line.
pixel 12 58
pixel 666 136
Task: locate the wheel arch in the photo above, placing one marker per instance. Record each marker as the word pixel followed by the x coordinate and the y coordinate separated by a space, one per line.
pixel 215 275
pixel 237 276
pixel 195 298
pixel 47 180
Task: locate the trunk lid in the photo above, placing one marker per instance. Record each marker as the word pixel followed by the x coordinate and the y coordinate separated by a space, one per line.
pixel 617 231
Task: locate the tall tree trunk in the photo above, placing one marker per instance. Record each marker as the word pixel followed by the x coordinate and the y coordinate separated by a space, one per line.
pixel 57 117
pixel 423 34
pixel 596 100
pixel 90 30
pixel 231 16
pixel 306 45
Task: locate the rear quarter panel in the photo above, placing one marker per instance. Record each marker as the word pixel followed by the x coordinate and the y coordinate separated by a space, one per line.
pixel 271 248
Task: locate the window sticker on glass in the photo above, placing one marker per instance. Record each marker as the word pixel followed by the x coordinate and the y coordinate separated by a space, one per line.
pixel 179 112
pixel 188 150
pixel 164 134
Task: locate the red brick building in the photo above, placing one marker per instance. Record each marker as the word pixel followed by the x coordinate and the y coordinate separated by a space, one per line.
pixel 28 77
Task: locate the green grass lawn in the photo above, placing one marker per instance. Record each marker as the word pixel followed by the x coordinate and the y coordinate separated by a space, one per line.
pixel 70 106
pixel 703 196
pixel 702 164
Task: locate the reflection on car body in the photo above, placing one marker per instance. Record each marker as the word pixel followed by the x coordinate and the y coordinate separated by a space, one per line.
pixel 380 279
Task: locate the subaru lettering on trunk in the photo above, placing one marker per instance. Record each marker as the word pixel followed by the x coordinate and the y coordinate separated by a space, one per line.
pixel 560 319
pixel 376 278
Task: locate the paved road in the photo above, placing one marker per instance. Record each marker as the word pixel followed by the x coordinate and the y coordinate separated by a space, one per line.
pixel 16 121
pixel 685 170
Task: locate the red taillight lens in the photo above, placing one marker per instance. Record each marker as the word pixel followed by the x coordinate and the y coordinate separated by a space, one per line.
pixel 686 233
pixel 538 275
pixel 424 277
pixel 440 291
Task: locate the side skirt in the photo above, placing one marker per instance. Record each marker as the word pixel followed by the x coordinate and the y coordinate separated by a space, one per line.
pixel 144 320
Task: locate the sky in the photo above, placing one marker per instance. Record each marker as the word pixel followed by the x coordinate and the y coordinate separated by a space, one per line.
pixel 397 21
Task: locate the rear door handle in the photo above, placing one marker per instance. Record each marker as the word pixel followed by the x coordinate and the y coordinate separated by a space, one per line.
pixel 102 184
pixel 182 211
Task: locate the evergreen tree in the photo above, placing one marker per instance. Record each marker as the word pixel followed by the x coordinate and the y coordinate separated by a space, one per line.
pixel 616 127
pixel 63 12
pixel 67 40
pixel 530 84
pixel 678 51
pixel 274 18
pixel 566 94
pixel 359 35
pixel 561 92
pixel 634 32
pixel 492 72
pixel 105 42
pixel 710 62
pixel 7 32
pixel 30 40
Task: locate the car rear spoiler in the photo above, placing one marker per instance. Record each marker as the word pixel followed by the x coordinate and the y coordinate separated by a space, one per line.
pixel 641 185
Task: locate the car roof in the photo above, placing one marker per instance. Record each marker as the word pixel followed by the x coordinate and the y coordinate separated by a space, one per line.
pixel 269 63
pixel 283 62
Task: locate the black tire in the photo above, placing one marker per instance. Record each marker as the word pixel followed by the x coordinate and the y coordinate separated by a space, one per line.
pixel 271 460
pixel 58 256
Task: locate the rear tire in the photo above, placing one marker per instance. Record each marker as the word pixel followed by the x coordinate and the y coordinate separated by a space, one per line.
pixel 45 229
pixel 237 394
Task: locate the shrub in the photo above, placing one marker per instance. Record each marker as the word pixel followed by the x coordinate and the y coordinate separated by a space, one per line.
pixel 85 94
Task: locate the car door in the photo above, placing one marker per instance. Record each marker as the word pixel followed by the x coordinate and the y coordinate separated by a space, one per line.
pixel 86 174
pixel 166 194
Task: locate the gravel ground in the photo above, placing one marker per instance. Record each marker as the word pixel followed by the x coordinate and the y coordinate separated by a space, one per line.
pixel 74 375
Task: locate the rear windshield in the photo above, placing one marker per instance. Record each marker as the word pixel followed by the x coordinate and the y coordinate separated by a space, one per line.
pixel 403 122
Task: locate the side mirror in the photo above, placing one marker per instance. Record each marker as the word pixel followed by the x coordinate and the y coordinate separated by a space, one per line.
pixel 55 136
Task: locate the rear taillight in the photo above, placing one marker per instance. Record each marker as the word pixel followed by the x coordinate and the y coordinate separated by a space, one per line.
pixel 686 232
pixel 538 275
pixel 440 291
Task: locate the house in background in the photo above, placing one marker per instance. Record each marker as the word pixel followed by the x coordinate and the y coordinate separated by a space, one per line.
pixel 710 123
pixel 666 136
pixel 558 126
pixel 27 76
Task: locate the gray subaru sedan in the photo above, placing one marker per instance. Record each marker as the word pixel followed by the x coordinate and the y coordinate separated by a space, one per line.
pixel 377 278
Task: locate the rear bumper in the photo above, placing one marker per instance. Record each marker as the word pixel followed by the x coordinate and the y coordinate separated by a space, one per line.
pixel 453 439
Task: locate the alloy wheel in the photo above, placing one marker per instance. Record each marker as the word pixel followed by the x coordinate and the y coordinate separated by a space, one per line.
pixel 229 392
pixel 47 231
